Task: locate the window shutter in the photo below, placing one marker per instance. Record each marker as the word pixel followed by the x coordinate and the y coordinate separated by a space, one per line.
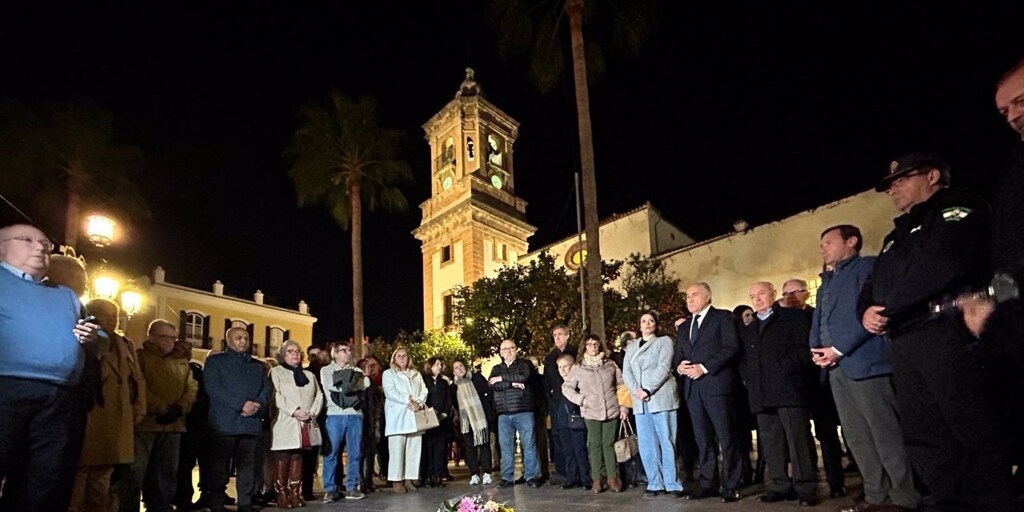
pixel 224 341
pixel 207 340
pixel 251 328
pixel 266 345
pixel 182 317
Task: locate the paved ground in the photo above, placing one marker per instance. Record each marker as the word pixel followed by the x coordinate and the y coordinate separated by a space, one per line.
pixel 554 499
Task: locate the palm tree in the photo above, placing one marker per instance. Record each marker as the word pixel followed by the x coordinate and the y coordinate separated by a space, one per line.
pixel 68 151
pixel 341 158
pixel 533 27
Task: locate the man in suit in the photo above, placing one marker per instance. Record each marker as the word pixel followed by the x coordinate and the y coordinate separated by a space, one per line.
pixel 859 366
pixel 774 367
pixel 706 356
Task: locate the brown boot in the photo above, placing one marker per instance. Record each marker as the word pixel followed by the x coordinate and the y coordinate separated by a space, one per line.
pixel 597 487
pixel 614 484
pixel 410 485
pixel 280 483
pixel 295 481
pixel 398 487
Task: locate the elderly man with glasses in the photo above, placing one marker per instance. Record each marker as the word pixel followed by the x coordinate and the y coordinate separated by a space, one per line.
pixel 513 401
pixel 43 344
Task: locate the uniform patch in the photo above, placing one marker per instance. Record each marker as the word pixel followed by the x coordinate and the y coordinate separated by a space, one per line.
pixel 956 213
pixel 915 230
pixel 888 245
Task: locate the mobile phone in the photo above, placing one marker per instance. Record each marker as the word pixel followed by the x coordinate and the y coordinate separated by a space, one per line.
pixel 91 319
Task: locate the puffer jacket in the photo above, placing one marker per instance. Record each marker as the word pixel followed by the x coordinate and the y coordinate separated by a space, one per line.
pixel 509 399
pixel 168 382
pixel 593 388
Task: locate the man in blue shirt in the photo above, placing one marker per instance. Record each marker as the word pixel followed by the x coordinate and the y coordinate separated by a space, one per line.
pixel 42 405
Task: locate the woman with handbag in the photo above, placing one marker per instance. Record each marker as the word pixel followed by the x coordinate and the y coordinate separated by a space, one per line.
pixel 404 395
pixel 475 406
pixel 592 384
pixel 296 401
pixel 435 440
pixel 647 373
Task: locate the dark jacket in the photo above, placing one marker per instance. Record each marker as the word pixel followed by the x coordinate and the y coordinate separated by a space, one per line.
pixel 776 361
pixel 232 378
pixel 717 347
pixel 1008 221
pixel 508 399
pixel 864 354
pixel 937 250
pixel 439 396
pixel 486 394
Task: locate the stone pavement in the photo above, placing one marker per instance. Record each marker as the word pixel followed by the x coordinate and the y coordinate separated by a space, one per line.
pixel 550 498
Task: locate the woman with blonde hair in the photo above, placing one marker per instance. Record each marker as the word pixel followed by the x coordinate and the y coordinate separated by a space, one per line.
pixel 296 402
pixel 404 394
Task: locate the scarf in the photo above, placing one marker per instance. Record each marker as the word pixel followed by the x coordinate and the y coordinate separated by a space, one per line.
pixel 589 360
pixel 471 410
pixel 298 374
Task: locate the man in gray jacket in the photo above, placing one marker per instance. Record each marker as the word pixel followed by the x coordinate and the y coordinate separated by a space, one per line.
pixel 345 387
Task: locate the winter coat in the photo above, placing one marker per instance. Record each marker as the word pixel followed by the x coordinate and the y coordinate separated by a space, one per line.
pixel 231 379
pixel 168 382
pixel 286 430
pixel 509 399
pixel 648 368
pixel 398 387
pixel 593 388
pixel 110 426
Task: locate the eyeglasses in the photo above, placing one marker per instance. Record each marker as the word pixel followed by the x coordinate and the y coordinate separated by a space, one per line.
pixel 792 293
pixel 47 245
pixel 593 344
pixel 905 177
pixel 507 349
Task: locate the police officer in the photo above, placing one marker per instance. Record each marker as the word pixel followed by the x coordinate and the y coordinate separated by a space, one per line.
pixel 937 249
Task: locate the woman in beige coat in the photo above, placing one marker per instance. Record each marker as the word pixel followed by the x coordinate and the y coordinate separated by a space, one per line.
pixel 592 384
pixel 297 400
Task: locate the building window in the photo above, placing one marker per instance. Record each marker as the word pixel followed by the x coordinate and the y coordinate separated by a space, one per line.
pixel 575 256
pixel 195 329
pixel 446 254
pixel 275 340
pixel 449 310
pixel 500 252
pixel 812 291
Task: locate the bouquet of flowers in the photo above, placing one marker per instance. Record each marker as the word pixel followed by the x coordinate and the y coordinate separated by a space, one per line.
pixel 474 504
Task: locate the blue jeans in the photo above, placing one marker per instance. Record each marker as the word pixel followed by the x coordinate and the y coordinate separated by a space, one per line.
pixel 508 425
pixel 656 435
pixel 350 428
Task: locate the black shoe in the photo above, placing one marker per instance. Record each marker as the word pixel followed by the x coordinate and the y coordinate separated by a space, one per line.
pixel 570 485
pixel 676 494
pixel 651 494
pixel 228 500
pixel 533 483
pixel 558 480
pixel 837 493
pixel 773 497
pixel 702 493
pixel 521 480
pixel 505 484
pixel 730 496
pixel 808 502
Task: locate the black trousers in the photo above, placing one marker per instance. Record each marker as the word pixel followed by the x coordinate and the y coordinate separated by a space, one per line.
pixel 478 458
pixel 194 449
pixel 241 449
pixel 686 439
pixel 434 456
pixel 41 430
pixel 715 424
pixel 826 429
pixel 787 435
pixel 577 460
pixel 953 437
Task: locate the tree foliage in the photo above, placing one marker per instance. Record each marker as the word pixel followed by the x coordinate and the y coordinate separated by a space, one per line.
pixel 521 303
pixel 646 286
pixel 443 343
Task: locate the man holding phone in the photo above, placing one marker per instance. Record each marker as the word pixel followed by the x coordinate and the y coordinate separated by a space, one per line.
pixel 860 373
pixel 42 355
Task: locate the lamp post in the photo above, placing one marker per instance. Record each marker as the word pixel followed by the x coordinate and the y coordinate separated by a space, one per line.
pixel 131 299
pixel 100 229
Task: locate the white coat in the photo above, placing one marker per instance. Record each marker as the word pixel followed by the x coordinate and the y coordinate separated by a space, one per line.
pixel 399 386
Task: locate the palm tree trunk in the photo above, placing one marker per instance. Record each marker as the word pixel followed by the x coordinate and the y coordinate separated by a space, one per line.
pixel 357 263
pixel 595 295
pixel 73 215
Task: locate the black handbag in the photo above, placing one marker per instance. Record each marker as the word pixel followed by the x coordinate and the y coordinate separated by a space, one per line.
pixel 576 421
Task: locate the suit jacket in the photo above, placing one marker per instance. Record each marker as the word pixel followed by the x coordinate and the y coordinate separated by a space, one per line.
pixel 776 361
pixel 647 367
pixel 717 347
pixel 864 354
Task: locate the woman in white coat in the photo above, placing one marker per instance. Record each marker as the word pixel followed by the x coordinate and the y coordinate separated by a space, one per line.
pixel 647 373
pixel 404 394
pixel 296 402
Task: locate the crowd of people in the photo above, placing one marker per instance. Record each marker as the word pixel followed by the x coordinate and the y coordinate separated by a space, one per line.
pixel 916 353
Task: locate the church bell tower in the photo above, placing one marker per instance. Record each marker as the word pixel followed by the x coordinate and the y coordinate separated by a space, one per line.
pixel 473 223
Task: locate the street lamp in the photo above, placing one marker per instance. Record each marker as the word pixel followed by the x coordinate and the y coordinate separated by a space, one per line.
pixel 131 299
pixel 104 284
pixel 100 229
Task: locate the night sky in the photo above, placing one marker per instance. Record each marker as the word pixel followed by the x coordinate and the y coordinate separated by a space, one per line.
pixel 731 112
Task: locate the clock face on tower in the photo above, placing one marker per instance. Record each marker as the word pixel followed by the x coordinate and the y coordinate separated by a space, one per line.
pixel 446 182
pixel 496 181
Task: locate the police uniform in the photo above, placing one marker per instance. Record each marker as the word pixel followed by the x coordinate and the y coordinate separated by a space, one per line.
pixel 937 250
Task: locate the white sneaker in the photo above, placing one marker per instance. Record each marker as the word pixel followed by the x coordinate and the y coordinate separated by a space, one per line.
pixel 487 479
pixel 475 480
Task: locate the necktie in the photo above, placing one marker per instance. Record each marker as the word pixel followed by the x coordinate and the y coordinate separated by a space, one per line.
pixel 693 328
